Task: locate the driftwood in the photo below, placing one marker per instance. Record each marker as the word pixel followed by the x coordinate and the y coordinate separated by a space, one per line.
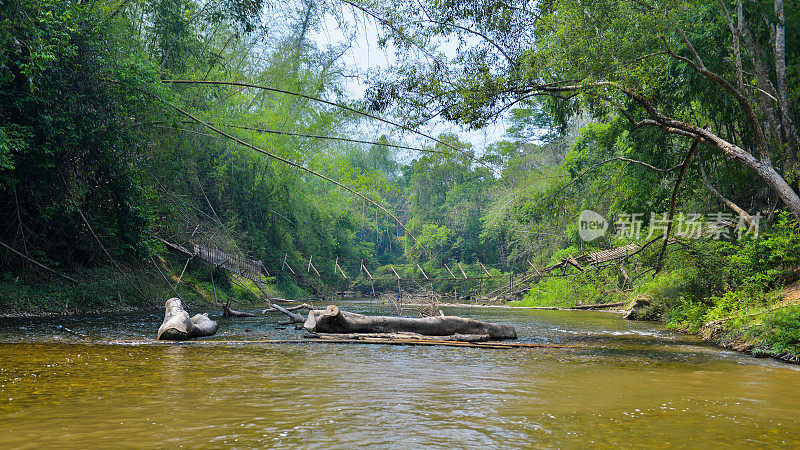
pixel 323 339
pixel 177 325
pixel 417 336
pixel 293 317
pixel 228 312
pixel 334 320
pixel 292 308
pixel 599 305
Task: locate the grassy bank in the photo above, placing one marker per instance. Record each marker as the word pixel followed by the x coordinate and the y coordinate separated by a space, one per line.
pixel 587 288
pixel 763 319
pixel 143 286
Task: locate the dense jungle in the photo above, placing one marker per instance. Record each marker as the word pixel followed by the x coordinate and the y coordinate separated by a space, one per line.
pixel 131 127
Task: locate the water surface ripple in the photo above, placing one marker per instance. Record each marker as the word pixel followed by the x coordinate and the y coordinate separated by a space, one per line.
pixel 627 384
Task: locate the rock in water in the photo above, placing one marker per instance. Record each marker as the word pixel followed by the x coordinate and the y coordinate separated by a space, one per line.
pixel 178 326
pixel 641 308
pixel 334 320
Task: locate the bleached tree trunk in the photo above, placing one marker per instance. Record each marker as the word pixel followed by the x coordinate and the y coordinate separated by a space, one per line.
pixel 334 320
pixel 177 325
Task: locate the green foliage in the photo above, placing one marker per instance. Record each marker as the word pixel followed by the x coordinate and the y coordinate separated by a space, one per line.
pixel 668 288
pixel 742 301
pixel 66 136
pixel 448 196
pixel 718 280
pixel 567 292
pixel 770 260
pixel 779 333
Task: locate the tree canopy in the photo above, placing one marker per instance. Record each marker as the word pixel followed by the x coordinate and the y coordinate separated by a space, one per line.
pixel 228 123
pixel 716 72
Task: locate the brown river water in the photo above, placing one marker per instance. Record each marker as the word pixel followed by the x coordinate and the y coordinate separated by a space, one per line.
pixel 623 384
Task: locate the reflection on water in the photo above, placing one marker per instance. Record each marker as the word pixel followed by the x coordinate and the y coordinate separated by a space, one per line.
pixel 625 384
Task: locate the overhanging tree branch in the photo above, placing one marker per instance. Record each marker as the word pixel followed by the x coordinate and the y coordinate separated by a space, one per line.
pixel 763 168
pixel 28 258
pixel 620 158
pixel 733 206
pixel 293 164
pixel 697 64
pixel 473 32
pixel 310 136
pixel 326 102
pixel 672 204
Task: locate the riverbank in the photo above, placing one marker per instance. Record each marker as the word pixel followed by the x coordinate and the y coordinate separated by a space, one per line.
pixel 100 289
pixel 764 324
pixel 773 331
pixel 759 321
pixel 143 287
pixel 742 295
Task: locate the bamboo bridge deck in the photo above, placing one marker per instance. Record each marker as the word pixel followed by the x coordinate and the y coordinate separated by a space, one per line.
pixel 254 269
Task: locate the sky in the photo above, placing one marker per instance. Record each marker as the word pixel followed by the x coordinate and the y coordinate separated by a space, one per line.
pixel 365 55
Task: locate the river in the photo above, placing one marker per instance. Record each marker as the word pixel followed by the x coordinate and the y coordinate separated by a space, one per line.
pixel 623 383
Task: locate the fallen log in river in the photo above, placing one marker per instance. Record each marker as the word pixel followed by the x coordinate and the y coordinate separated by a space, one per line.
pixel 177 325
pixel 330 339
pixel 404 337
pixel 333 323
pixel 334 320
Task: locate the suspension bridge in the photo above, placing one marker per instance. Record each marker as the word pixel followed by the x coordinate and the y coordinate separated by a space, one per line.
pixel 353 273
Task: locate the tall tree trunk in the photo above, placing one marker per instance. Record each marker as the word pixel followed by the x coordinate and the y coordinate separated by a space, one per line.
pixel 767 96
pixel 783 88
pixel 736 33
